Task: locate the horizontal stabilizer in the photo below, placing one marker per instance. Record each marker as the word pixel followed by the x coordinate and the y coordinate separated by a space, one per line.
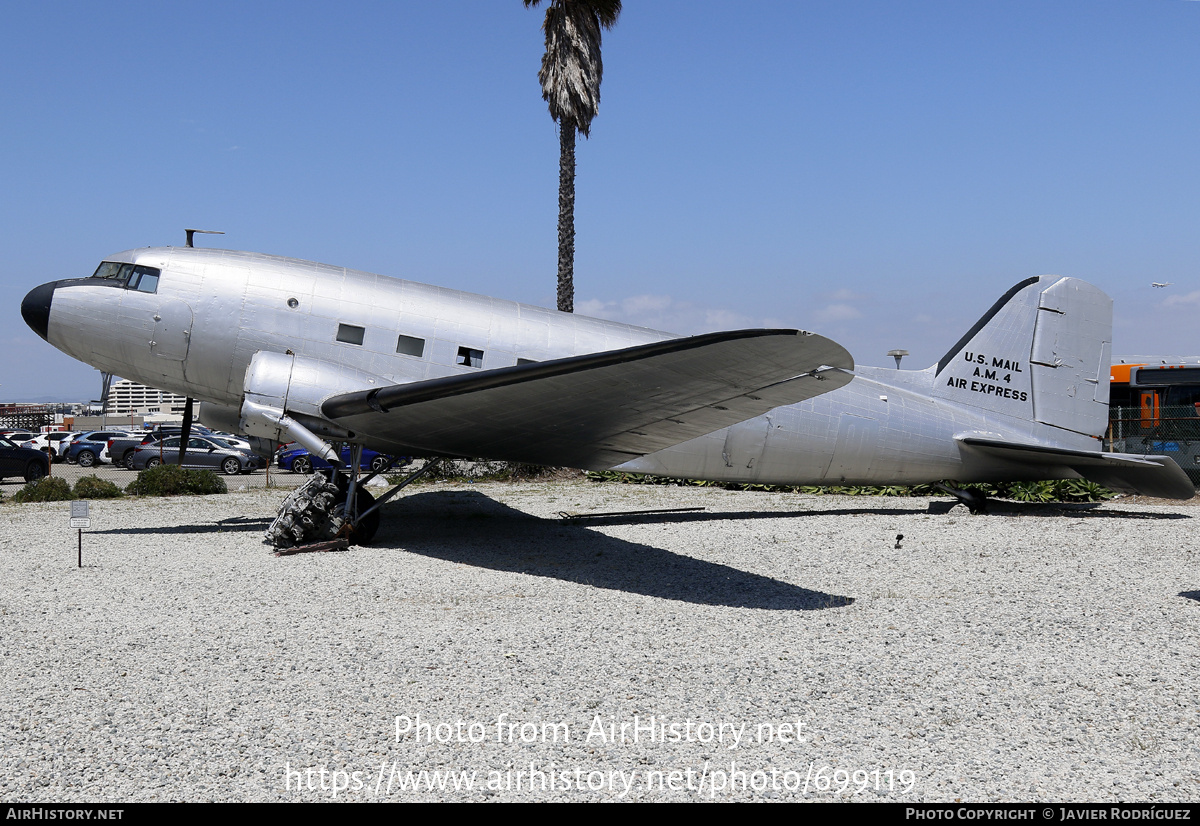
pixel 1157 476
pixel 602 409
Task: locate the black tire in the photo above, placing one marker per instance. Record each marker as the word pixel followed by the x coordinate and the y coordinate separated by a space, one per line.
pixel 379 463
pixel 364 534
pixel 366 530
pixel 34 471
pixel 86 458
pixel 231 466
pixel 302 464
pixel 127 459
pixel 153 461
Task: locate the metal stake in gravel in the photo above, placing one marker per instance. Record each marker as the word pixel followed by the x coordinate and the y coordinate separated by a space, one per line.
pixel 80 520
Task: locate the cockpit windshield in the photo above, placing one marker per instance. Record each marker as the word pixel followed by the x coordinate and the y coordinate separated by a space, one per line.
pixel 129 276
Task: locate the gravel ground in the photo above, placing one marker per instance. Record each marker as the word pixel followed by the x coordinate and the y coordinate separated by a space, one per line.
pixel 771 646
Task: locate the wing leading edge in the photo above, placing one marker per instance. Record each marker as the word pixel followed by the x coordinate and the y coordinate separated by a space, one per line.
pixel 601 410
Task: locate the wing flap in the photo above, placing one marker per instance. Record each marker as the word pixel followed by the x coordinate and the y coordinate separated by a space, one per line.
pixel 602 409
pixel 1157 476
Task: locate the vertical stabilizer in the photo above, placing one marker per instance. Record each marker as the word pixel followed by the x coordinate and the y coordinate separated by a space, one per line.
pixel 1040 353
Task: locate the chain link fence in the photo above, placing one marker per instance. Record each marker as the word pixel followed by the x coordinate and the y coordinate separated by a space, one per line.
pixel 1162 431
pixel 1167 431
pixel 119 476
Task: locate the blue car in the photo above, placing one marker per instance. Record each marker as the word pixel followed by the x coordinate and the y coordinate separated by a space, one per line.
pixel 85 449
pixel 298 460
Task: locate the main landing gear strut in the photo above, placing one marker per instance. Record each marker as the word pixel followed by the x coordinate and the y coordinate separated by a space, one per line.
pixel 333 505
pixel 975 501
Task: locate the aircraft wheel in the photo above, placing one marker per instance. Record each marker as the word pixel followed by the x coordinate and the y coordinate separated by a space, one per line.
pixel 231 466
pixel 34 471
pixel 86 458
pixel 302 464
pixel 153 461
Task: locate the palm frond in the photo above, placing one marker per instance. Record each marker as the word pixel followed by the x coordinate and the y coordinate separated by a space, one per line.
pixel 572 67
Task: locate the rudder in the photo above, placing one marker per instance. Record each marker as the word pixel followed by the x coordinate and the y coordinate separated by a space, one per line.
pixel 1040 353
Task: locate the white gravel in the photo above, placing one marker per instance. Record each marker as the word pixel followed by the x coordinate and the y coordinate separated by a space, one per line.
pixel 1039 654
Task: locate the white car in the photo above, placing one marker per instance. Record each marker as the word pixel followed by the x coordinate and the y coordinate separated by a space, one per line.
pixel 54 444
pixel 236 441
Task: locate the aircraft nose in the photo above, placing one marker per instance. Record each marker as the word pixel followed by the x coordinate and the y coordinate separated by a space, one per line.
pixel 35 309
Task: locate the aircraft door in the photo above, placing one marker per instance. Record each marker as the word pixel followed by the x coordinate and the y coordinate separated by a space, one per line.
pixel 172 330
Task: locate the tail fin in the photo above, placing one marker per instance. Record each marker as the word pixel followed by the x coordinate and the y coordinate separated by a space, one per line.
pixel 1041 353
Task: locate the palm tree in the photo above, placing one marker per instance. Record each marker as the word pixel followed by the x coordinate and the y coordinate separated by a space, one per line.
pixel 570 78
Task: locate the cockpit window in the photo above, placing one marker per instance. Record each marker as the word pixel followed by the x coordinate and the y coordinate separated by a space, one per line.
pixel 109 269
pixel 144 280
pixel 129 276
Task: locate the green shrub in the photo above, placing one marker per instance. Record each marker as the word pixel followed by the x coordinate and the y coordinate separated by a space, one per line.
pixel 93 487
pixel 172 480
pixel 46 489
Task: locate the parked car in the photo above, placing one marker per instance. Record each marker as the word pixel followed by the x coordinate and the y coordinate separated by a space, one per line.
pixel 295 458
pixel 201 453
pixel 120 448
pixel 25 462
pixel 85 448
pixel 53 444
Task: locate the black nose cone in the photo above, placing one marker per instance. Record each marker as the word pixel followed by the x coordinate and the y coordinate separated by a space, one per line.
pixel 35 309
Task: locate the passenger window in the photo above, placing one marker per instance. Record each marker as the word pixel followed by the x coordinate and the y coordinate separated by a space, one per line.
pixel 409 346
pixel 349 334
pixel 470 358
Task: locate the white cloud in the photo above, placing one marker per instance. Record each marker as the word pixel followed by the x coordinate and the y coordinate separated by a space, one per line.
pixel 645 304
pixel 844 295
pixel 837 312
pixel 1192 299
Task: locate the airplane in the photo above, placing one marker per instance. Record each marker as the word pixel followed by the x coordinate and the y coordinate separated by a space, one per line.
pixel 289 350
pixel 1160 283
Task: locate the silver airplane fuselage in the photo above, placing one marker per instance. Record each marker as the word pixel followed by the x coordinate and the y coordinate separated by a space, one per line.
pixel 210 312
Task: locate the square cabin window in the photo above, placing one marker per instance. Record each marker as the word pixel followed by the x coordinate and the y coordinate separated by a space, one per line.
pixel 410 346
pixel 349 334
pixel 469 358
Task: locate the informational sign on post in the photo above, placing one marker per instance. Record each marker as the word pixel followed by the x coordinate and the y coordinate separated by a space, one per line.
pixel 80 520
pixel 79 515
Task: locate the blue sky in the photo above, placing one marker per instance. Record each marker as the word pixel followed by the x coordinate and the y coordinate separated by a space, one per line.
pixel 875 171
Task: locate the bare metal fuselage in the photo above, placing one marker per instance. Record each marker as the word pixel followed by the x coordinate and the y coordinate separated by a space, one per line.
pixel 214 310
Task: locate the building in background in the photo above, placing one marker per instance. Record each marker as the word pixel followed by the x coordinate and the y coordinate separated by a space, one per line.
pixel 128 398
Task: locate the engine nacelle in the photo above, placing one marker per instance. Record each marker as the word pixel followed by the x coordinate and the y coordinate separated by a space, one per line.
pixel 282 397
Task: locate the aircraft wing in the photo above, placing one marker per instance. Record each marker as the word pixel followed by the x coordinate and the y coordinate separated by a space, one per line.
pixel 601 410
pixel 1157 476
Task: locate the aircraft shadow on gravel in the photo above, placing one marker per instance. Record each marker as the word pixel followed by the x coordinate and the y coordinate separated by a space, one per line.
pixel 463 526
pixel 940 507
pixel 236 524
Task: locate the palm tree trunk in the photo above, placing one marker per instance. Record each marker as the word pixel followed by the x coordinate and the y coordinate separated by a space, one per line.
pixel 566 216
